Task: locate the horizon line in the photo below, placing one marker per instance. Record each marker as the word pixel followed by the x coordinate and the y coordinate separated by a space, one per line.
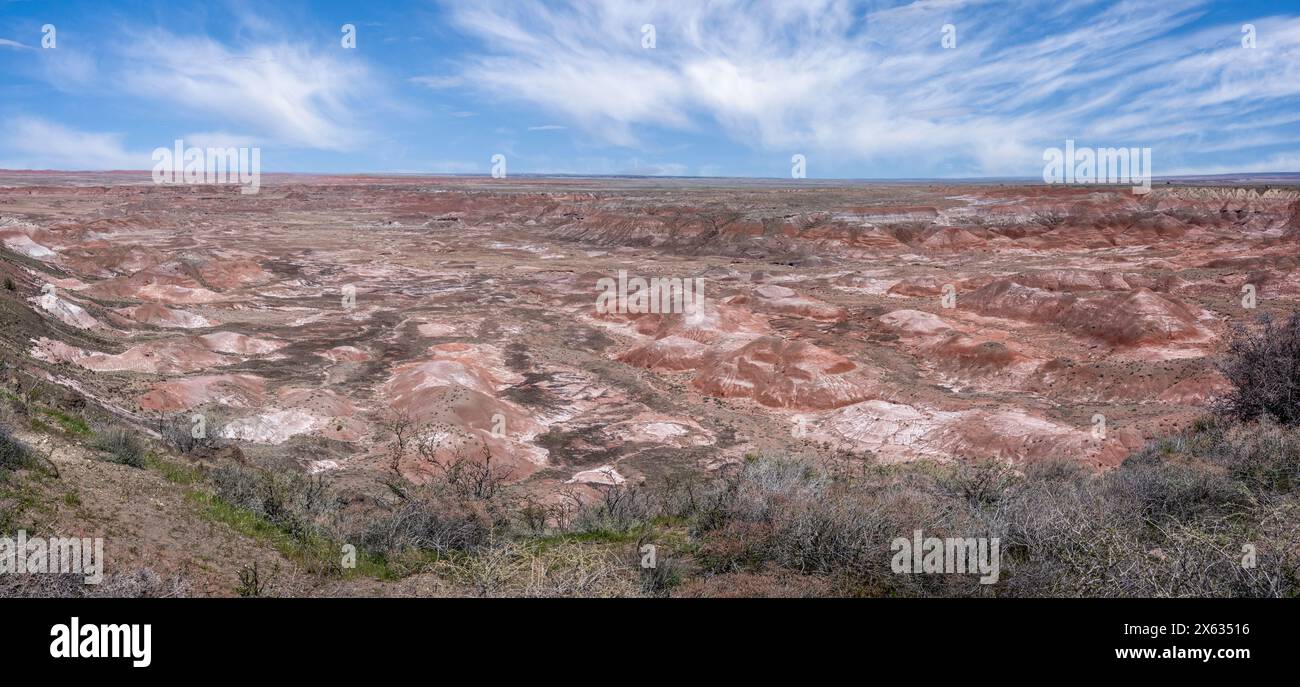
pixel 560 175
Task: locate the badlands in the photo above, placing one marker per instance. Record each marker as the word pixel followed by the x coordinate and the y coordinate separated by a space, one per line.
pixel 840 321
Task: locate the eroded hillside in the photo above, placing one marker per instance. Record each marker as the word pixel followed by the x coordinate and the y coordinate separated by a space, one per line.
pixel 899 321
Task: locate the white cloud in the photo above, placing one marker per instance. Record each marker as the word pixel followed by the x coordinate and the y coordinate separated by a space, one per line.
pixel 6 43
pixel 839 83
pixel 282 92
pixel 33 143
pixel 548 127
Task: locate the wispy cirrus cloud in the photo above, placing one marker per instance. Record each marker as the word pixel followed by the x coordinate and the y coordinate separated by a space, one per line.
pixel 280 91
pixel 863 88
pixel 851 81
pixel 260 86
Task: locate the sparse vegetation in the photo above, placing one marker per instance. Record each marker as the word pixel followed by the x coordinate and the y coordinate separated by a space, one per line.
pixel 251 584
pixel 180 433
pixel 299 505
pixel 141 583
pixel 1263 365
pixel 69 423
pixel 122 446
pixel 14 454
pixel 174 472
pixel 1173 520
pixel 429 522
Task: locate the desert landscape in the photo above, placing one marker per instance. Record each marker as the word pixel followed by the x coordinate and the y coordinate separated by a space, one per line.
pixel 397 326
pixel 395 330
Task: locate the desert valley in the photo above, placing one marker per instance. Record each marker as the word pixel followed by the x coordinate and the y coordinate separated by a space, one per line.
pixel 379 329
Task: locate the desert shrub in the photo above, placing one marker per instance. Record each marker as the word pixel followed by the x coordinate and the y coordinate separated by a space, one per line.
pixel 1265 457
pixel 1055 470
pixel 14 454
pixel 833 532
pixel 734 546
pixel 141 583
pixel 980 482
pixel 677 498
pixel 753 585
pixel 1061 538
pixel 1165 491
pixel 474 476
pixel 752 493
pixel 44 586
pixel 534 516
pixel 1263 365
pixel 764 486
pixel 660 578
pixel 252 582
pixel 179 432
pixel 618 510
pixel 777 514
pixel 302 506
pixel 122 446
pixel 1173 520
pixel 516 570
pixel 427 521
pixel 848 535
pixel 464 462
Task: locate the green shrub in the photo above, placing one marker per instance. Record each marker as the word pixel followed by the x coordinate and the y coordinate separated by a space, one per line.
pixel 70 424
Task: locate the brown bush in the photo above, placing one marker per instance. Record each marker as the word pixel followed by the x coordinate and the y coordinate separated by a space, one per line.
pixel 1263 365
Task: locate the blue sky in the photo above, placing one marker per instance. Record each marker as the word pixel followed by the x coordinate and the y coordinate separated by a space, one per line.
pixel 861 89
